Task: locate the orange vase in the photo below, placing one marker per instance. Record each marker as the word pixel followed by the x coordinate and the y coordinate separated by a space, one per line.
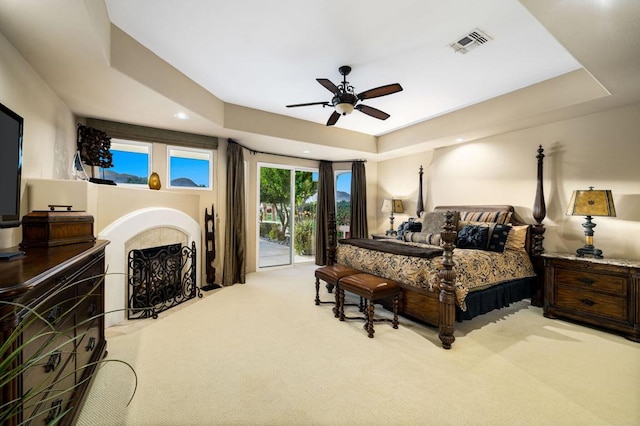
pixel 154 181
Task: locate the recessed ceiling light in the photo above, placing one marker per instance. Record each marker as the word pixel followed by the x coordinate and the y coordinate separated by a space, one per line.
pixel 181 116
pixel 459 139
pixel 306 151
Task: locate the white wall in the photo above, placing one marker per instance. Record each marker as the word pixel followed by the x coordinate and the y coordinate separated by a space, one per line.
pixel 600 150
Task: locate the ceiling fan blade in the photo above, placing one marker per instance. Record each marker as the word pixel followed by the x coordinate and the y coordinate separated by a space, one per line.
pixel 333 119
pixel 325 103
pixel 376 113
pixel 380 91
pixel 328 85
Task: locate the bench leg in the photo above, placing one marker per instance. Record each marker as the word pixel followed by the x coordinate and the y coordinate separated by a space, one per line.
pixel 340 296
pixel 363 304
pixel 369 325
pixel 395 311
pixel 317 291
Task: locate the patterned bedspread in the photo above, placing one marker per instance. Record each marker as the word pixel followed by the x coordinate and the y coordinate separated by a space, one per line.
pixel 475 269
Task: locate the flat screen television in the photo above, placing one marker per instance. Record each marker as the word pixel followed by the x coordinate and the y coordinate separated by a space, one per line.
pixel 11 126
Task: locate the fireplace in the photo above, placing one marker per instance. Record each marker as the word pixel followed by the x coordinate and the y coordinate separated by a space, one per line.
pixel 144 228
pixel 160 278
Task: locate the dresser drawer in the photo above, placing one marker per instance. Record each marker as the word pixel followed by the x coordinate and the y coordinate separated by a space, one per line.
pixel 592 281
pixel 56 393
pixel 48 340
pixel 87 349
pixel 591 302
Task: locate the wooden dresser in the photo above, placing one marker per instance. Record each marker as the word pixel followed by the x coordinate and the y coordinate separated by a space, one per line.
pixel 64 285
pixel 600 292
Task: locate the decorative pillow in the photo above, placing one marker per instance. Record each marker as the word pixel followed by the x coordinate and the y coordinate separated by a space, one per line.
pixel 496 217
pixel 464 223
pixel 433 222
pixel 517 238
pixel 498 238
pixel 473 237
pixel 423 237
pixel 408 226
pixel 413 226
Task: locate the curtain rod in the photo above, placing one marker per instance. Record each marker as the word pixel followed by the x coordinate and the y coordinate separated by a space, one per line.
pixel 254 152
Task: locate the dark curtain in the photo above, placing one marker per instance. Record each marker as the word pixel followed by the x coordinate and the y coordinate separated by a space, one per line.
pixel 359 227
pixel 326 204
pixel 234 268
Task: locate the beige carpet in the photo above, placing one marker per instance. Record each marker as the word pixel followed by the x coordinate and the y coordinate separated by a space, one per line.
pixel 263 354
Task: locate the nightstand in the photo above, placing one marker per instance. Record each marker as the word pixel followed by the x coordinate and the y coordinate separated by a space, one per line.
pixel 601 292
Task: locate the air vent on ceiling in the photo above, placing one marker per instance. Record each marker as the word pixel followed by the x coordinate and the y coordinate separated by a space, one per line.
pixel 470 41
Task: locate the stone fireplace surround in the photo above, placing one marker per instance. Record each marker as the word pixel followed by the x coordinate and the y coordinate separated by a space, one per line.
pixel 143 228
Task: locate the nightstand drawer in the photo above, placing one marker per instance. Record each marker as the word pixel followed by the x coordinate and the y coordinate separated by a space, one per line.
pixel 592 281
pixel 591 302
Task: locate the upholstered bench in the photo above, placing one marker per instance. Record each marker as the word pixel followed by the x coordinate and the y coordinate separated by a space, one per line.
pixel 331 274
pixel 372 289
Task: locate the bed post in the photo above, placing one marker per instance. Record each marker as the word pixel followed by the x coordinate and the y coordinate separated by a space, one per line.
pixel 420 204
pixel 539 213
pixel 447 277
pixel 539 208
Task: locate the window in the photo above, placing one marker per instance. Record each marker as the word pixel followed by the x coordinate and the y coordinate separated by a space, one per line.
pixel 343 203
pixel 131 162
pixel 190 167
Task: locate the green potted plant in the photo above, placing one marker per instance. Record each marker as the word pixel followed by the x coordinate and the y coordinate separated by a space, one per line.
pixel 43 346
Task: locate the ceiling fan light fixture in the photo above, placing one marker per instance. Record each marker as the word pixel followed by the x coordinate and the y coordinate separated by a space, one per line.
pixel 344 108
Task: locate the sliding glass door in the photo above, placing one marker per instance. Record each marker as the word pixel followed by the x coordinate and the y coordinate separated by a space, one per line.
pixel 286 215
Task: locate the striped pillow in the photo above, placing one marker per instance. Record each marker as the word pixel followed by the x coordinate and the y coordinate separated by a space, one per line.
pixel 423 237
pixel 501 217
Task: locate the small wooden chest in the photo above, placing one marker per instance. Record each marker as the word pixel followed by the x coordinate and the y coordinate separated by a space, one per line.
pixel 43 228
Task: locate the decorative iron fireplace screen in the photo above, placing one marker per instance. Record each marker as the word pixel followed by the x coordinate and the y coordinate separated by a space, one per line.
pixel 161 278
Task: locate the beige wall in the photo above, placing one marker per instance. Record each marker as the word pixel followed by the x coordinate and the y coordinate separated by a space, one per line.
pixel 600 150
pixel 49 126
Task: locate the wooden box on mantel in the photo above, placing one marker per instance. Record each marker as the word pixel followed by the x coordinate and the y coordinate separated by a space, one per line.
pixel 44 228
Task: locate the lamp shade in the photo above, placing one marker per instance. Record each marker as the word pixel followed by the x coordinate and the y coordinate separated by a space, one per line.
pixel 386 206
pixel 591 203
pixel 344 108
pixel 397 206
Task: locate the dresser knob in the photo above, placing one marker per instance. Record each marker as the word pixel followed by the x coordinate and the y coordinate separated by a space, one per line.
pixel 91 345
pixel 54 315
pixel 585 280
pixel 54 412
pixel 587 302
pixel 53 362
pixel 92 310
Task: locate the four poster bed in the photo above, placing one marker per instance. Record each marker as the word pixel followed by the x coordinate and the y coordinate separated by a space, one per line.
pixel 480 258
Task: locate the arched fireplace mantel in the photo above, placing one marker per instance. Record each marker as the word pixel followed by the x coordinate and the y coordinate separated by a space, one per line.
pixel 153 223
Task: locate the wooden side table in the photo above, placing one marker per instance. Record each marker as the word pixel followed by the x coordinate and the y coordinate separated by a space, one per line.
pixel 601 292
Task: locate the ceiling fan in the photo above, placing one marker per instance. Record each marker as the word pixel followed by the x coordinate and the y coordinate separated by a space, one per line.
pixel 345 100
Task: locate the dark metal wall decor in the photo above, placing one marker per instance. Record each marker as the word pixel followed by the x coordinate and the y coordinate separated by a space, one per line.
pixel 94 146
pixel 161 278
pixel 210 249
